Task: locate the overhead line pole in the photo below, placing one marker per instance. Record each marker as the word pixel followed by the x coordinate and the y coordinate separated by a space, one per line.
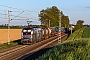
pixel 71 28
pixel 59 36
pixel 49 23
pixel 9 27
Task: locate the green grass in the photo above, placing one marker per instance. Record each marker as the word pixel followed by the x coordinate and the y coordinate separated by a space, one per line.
pixel 74 48
pixel 6 45
pixel 77 34
pixel 86 33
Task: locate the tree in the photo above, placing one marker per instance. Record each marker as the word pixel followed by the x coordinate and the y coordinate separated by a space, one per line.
pixel 52 14
pixel 65 21
pixel 79 24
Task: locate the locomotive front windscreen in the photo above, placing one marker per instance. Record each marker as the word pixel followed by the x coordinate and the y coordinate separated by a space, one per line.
pixel 26 31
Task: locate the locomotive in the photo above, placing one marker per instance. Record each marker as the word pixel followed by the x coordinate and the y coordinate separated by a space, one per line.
pixel 33 34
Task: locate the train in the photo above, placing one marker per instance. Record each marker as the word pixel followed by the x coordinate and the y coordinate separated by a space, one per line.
pixel 31 35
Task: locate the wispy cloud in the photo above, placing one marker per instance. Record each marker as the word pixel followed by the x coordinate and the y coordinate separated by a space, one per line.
pixel 88 7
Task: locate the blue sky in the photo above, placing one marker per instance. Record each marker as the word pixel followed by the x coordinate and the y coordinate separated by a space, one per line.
pixel 75 9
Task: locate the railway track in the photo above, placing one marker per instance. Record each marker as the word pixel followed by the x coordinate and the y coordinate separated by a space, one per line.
pixel 21 50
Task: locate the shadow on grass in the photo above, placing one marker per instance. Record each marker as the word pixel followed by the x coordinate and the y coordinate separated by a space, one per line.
pixel 17 41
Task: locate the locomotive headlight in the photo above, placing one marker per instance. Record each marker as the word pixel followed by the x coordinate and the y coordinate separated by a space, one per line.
pixel 29 30
pixel 24 30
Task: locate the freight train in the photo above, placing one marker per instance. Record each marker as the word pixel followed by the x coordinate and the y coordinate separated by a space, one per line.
pixel 32 35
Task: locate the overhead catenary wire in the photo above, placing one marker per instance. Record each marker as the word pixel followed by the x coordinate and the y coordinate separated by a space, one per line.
pixel 30 14
pixel 3 14
pixel 10 15
pixel 18 9
pixel 12 11
pixel 15 16
pixel 3 18
pixel 18 14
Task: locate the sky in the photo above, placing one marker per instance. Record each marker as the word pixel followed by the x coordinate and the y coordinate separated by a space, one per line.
pixel 24 9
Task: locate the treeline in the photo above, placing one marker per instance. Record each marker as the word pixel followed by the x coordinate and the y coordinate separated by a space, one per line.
pixel 20 27
pixel 5 26
pixel 11 27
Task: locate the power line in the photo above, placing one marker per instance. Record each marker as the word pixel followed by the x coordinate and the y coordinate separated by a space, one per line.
pixel 12 15
pixel 30 14
pixel 16 11
pixel 3 14
pixel 17 8
pixel 16 16
pixel 3 18
pixel 19 14
pixel 3 10
pixel 10 7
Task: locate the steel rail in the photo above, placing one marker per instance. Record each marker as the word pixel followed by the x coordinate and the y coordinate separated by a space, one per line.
pixel 16 53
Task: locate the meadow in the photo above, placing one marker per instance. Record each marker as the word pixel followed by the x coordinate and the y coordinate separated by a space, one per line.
pixel 76 47
pixel 86 33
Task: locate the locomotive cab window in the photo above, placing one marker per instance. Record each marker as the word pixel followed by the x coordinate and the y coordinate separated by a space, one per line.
pixel 26 31
pixel 29 31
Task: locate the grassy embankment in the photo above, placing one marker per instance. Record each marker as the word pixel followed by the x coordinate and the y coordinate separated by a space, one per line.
pixel 76 47
pixel 6 45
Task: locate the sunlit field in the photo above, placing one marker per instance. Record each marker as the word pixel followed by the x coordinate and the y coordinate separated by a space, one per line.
pixel 14 35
